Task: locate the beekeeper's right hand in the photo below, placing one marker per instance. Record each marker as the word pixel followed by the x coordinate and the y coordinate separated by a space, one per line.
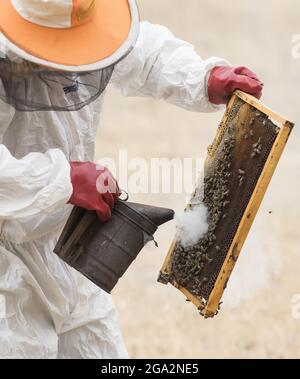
pixel 94 188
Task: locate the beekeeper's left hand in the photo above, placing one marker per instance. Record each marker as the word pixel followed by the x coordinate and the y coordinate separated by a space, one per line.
pixel 223 81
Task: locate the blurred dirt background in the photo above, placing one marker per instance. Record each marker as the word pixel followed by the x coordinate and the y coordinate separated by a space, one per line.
pixel 256 320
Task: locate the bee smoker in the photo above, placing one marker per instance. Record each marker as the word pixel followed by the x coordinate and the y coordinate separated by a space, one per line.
pixel 104 252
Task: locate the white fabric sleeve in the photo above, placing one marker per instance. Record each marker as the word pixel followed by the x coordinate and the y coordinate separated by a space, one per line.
pixel 164 67
pixel 38 183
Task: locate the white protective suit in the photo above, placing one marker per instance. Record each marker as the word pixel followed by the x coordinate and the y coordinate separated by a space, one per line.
pixel 48 310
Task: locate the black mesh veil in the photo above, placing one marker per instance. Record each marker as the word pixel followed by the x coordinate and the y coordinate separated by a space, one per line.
pixel 30 87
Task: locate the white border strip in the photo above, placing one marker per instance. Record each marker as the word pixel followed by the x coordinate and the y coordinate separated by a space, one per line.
pixel 112 59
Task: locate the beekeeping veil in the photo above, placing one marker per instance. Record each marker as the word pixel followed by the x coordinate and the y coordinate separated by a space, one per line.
pixel 60 55
pixel 30 87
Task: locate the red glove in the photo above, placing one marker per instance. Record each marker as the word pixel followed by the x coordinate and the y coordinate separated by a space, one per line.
pixel 94 188
pixel 223 81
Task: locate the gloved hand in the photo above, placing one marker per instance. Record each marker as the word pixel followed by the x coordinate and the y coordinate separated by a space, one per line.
pixel 223 81
pixel 94 188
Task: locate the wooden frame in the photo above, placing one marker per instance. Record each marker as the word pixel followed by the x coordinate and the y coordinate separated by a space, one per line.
pixel 210 307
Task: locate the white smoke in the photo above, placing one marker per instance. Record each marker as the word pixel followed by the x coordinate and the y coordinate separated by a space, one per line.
pixel 192 225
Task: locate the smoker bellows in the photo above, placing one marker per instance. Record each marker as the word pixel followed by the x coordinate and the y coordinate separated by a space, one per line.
pixel 238 169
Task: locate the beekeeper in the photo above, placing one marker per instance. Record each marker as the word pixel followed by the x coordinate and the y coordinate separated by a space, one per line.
pixel 57 58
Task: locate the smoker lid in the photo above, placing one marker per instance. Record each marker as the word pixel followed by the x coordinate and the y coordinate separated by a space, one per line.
pixel 146 217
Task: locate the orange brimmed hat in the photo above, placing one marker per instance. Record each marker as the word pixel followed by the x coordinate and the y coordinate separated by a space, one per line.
pixel 71 35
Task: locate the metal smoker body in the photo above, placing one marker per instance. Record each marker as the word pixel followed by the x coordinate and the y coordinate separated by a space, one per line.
pixel 104 252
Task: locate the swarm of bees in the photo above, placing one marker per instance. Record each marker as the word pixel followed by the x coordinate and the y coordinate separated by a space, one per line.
pixel 188 264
